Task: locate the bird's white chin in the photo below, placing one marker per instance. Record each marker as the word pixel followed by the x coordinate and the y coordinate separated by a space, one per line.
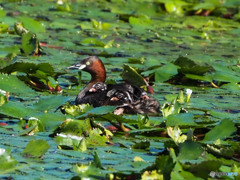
pixel 82 66
pixel 77 66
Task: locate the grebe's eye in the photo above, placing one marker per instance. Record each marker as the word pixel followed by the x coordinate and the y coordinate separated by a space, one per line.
pixel 87 63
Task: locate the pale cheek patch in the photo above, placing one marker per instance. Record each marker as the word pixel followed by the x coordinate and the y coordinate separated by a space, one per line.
pixel 82 66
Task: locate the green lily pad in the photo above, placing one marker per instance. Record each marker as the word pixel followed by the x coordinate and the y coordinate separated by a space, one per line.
pixel 141 20
pixel 184 119
pixel 32 25
pixel 15 109
pixel 29 68
pixel 50 103
pixel 29 43
pixel 165 72
pixel 130 75
pixel 188 66
pixel 221 131
pixel 187 148
pixel 12 84
pixel 7 161
pixel 36 148
pixel 2 13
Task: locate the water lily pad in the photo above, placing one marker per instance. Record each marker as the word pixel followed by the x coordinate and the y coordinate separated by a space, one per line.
pixel 165 72
pixel 130 75
pixel 188 66
pixel 141 20
pixel 221 131
pixel 50 103
pixel 2 13
pixel 185 119
pixel 7 161
pixel 187 148
pixel 12 84
pixel 32 25
pixel 36 148
pixel 15 109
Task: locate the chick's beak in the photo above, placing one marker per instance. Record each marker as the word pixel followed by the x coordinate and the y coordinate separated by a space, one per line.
pixel 77 66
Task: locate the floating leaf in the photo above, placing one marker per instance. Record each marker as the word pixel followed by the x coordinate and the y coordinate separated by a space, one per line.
pixel 175 7
pixel 96 138
pixel 32 25
pixel 141 145
pixel 8 59
pixel 204 168
pixel 184 119
pixel 101 110
pixel 3 97
pixel 100 25
pixel 74 127
pixel 151 175
pixel 15 109
pixel 141 20
pixel 50 103
pixel 77 109
pixel 179 173
pixel 164 164
pixel 130 75
pixel 12 84
pixel 3 27
pixel 190 150
pixel 7 161
pixel 96 160
pixel 30 44
pixel 188 66
pixel 36 148
pixel 82 146
pixel 165 72
pixel 221 131
pixel 92 41
pixel 226 77
pixel 2 13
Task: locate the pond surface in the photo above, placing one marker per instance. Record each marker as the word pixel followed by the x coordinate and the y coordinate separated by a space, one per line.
pixel 176 45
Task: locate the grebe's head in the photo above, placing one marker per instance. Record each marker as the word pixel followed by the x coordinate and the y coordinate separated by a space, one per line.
pixel 88 63
pixel 94 66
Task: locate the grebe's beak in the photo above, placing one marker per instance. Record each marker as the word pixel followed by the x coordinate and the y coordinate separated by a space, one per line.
pixel 77 66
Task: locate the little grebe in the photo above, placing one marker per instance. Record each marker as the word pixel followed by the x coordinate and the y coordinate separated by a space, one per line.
pixel 128 98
